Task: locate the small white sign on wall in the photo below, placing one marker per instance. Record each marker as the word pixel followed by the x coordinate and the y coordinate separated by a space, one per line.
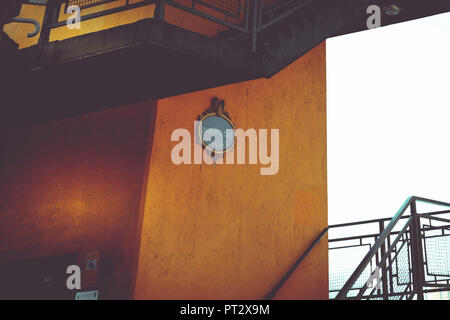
pixel 87 295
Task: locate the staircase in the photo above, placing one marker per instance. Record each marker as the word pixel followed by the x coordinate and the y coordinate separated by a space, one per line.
pixel 408 258
pixel 405 257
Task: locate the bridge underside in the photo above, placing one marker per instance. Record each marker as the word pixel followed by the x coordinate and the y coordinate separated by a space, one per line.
pixel 153 59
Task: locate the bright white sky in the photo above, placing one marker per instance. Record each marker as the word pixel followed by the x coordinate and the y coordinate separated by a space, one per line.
pixel 388 100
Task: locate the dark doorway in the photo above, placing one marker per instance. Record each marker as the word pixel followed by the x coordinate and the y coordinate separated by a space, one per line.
pixel 42 278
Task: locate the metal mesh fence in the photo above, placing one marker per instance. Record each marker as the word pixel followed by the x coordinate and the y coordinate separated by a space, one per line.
pixel 342 263
pixel 86 3
pixel 391 258
pixel 230 7
pixel 399 273
pixel 437 251
pixel 402 265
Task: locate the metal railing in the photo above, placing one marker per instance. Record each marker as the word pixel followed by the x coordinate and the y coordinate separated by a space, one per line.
pixel 248 17
pixel 294 267
pixel 53 10
pixel 254 16
pixel 406 256
pixel 240 12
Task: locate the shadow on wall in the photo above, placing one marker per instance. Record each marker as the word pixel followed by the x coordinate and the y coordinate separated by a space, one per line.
pixel 74 186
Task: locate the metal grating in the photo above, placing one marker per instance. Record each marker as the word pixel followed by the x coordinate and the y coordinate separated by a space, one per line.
pixel 86 3
pixel 340 269
pixel 229 7
pixel 402 266
pixel 437 251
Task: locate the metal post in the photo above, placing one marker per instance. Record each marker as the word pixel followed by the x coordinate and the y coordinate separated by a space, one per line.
pixel 417 253
pixel 254 23
pixel 160 10
pixel 50 16
pixel 247 15
pixel 383 266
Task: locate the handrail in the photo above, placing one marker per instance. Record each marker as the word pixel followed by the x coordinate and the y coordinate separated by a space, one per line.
pixel 37 26
pixel 349 224
pixel 356 274
pixel 288 274
pixel 410 201
pixel 388 252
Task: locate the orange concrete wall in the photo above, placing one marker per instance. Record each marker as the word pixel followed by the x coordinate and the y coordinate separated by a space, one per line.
pixel 75 185
pixel 225 231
